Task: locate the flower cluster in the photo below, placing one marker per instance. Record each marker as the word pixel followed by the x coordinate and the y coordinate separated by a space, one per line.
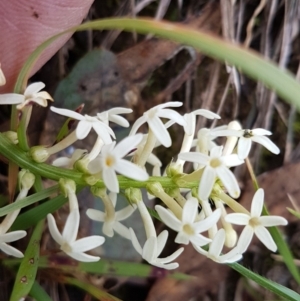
pixel 110 167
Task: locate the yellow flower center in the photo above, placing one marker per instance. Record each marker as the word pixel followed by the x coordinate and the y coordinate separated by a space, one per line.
pixel 254 221
pixel 214 163
pixel 188 229
pixel 109 161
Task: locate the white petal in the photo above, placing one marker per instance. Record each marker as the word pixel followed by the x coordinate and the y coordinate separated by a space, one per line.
pixel 270 221
pixel 11 99
pixel 150 249
pixel 119 120
pixel 260 132
pixel 161 241
pixel 96 215
pixel 190 210
pixel 12 236
pixel 171 257
pixel 231 160
pixel 61 162
pixel 190 123
pixel 200 250
pixel 122 230
pixel 83 257
pixel 171 114
pixel 206 183
pixel 83 129
pixel 227 133
pixel 216 152
pixel 194 157
pixel 265 237
pixel 70 231
pixel 68 113
pixel 199 240
pixel 168 218
pixel 208 222
pixel 131 170
pixel 38 100
pixel 245 239
pixel 135 242
pixel 87 243
pixel 267 143
pixel 160 132
pixel 244 147
pixel 182 238
pixel 127 145
pixel 107 228
pixel 103 131
pixel 229 181
pixel 34 88
pixel 125 212
pixel 169 104
pixel 217 244
pixel 230 257
pixel 137 125
pixel 11 250
pixel 206 113
pixel 54 230
pixel 237 218
pixel 110 180
pixel 169 266
pixel 257 203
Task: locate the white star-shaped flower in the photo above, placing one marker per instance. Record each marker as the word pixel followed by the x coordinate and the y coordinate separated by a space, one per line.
pixel 86 123
pixel 67 240
pixel 216 165
pixel 256 224
pixel 31 95
pixel 111 162
pixel 152 117
pixel 113 116
pixel 245 140
pixel 152 249
pixel 188 228
pixel 112 224
pixel 9 237
pixel 215 249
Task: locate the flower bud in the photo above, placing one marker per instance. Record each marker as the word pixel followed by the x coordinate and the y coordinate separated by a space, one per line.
pixel 39 153
pixel 26 179
pixel 12 136
pixel 67 186
pixel 133 195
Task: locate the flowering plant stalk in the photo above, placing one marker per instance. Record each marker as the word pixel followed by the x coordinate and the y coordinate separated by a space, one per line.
pixel 111 167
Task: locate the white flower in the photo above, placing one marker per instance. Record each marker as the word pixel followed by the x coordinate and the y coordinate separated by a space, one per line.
pixel 152 249
pixel 69 162
pixel 152 117
pixel 2 77
pixel 86 123
pixel 188 229
pixel 113 116
pixel 255 223
pixel 216 165
pixel 111 162
pixel 9 237
pixel 216 247
pixel 67 240
pixel 245 140
pixel 111 225
pixel 31 95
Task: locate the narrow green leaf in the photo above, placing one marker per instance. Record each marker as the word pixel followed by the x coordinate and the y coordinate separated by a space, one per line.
pixel 248 61
pixel 34 215
pixel 28 268
pixel 36 197
pixel 294 212
pixel 91 289
pixel 38 293
pixel 274 287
